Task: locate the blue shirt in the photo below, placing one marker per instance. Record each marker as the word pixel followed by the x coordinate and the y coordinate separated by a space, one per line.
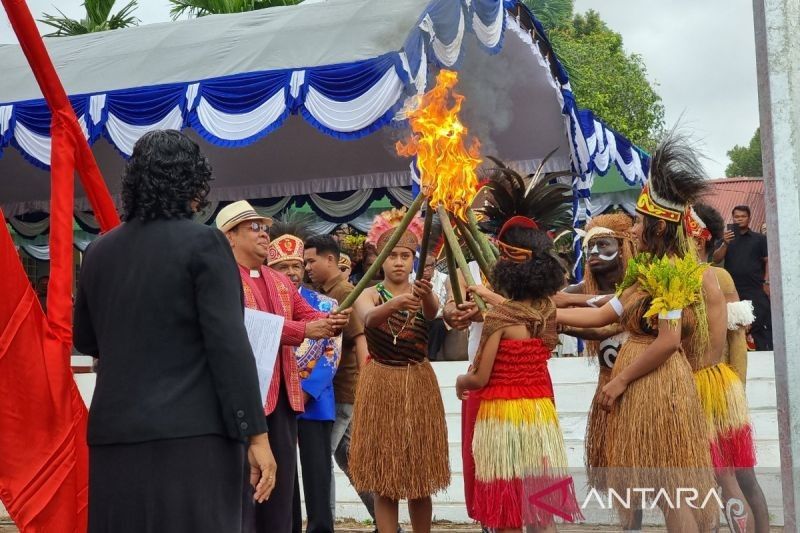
pixel 317 361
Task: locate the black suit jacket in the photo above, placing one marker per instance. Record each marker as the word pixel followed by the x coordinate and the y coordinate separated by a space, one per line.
pixel 160 303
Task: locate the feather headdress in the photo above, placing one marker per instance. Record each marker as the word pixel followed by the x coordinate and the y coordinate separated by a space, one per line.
pixel 509 195
pixel 676 180
pixel 292 223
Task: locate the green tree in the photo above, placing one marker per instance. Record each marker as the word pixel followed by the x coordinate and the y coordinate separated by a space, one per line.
pixel 608 80
pixel 200 8
pixel 746 160
pixel 98 18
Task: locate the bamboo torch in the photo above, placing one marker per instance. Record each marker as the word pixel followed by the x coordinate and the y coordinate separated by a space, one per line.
pixel 369 274
pixel 452 270
pixel 483 241
pixel 426 240
pixel 452 240
pixel 474 248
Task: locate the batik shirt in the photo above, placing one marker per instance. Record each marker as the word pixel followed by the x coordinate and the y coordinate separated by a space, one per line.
pixel 317 361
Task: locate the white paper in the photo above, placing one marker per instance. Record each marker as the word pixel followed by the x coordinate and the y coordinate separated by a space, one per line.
pixel 475 328
pixel 264 331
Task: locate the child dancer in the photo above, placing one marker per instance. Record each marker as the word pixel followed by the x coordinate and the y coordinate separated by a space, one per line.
pixel 399 444
pixel 517 444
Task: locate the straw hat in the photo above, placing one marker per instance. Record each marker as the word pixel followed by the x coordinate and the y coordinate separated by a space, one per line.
pixel 232 215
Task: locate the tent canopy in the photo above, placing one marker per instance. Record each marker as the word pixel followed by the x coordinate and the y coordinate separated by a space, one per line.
pixel 303 100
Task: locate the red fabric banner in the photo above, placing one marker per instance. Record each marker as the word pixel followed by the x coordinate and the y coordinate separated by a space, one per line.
pixel 43 451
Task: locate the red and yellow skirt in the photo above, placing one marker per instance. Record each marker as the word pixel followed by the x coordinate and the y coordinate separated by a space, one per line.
pixel 725 409
pixel 521 476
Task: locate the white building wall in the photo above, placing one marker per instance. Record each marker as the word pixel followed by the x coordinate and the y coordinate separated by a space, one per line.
pixel 574 380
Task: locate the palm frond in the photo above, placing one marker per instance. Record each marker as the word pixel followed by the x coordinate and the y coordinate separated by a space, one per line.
pixel 201 8
pixel 98 11
pixel 64 25
pixel 124 17
pixel 98 18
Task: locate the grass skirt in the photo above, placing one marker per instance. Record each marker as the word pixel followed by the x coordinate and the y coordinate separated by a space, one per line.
pixel 398 448
pixel 725 408
pixel 596 436
pixel 657 438
pixel 521 465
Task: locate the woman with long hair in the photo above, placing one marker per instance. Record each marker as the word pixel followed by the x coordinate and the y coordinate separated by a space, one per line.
pixel 656 436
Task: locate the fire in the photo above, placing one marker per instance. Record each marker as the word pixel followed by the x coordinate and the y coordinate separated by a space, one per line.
pixel 447 166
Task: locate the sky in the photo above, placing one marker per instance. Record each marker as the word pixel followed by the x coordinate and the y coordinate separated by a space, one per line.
pixel 699 53
pixel 701 56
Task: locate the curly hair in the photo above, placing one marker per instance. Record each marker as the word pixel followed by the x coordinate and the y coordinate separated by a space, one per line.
pixel 166 178
pixel 540 276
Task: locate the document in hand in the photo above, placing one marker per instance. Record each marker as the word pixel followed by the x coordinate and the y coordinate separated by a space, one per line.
pixel 264 331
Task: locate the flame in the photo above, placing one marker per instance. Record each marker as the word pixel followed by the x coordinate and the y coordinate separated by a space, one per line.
pixel 447 166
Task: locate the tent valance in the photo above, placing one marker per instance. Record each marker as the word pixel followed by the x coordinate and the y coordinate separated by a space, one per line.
pixel 296 75
pixel 330 209
pixel 345 100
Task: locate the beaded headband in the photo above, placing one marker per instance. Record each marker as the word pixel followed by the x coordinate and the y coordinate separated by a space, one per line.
pixel 649 203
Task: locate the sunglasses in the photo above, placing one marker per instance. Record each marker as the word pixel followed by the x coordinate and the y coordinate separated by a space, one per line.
pixel 257 227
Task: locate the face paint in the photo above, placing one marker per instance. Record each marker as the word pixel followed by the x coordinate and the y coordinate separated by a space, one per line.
pixel 602 254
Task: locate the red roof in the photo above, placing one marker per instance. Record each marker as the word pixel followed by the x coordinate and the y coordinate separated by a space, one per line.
pixel 727 193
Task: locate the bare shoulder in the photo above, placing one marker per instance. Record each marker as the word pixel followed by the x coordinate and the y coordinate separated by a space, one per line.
pixel 370 295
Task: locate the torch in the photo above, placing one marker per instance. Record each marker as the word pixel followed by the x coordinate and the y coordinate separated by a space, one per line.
pixel 383 255
pixel 426 240
pixel 448 179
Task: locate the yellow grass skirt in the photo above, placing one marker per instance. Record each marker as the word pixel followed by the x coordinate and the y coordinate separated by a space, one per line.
pixel 727 417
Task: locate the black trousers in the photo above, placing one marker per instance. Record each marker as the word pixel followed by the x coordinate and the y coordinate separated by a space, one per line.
pixel 275 514
pixel 762 325
pixel 314 441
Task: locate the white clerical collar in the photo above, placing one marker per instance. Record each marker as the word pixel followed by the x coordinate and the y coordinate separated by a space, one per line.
pixel 255 273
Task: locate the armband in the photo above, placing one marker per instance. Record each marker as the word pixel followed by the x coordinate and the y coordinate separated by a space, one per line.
pixel 617 305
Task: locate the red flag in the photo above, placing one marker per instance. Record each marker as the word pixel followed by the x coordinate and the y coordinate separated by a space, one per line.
pixel 44 459
pixel 43 451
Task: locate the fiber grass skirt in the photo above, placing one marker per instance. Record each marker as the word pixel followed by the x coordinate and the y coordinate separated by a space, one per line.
pixel 725 408
pixel 398 447
pixel 521 474
pixel 596 436
pixel 657 437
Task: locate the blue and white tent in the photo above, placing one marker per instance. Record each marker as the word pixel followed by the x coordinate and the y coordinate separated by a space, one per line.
pixel 301 101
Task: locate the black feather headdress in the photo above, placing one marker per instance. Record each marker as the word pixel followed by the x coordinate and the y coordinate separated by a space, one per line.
pixel 293 223
pixel 676 179
pixel 508 194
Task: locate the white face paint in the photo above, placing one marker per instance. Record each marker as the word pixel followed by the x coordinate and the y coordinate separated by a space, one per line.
pixel 596 251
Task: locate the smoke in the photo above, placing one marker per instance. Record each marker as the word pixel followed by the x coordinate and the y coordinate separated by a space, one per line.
pixel 487 82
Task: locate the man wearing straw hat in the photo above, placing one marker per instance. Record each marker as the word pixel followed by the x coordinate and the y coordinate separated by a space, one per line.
pixel 268 290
